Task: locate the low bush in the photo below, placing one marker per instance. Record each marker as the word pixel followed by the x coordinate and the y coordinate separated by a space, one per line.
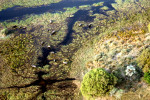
pixel 97 82
pixel 147 77
pixel 143 60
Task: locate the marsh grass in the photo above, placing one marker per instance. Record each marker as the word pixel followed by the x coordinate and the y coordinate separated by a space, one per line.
pixel 143 60
pixel 13 94
pixel 127 27
pixel 25 3
pixel 84 39
pixel 85 7
pixel 104 8
pixel 41 27
pixel 98 4
pixel 17 51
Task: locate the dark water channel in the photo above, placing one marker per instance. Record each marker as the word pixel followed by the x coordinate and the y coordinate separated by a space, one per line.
pixel 81 15
pixel 19 12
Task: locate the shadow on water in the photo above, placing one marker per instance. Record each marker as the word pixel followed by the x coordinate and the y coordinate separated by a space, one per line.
pixel 42 60
pixel 83 15
pixel 80 15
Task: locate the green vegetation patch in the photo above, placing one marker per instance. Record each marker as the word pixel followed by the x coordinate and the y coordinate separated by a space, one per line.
pixel 104 8
pixel 98 4
pixel 143 60
pixel 147 77
pixel 97 82
pixel 15 51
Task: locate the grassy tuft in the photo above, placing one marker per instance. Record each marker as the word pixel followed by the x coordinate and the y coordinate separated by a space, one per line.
pixel 147 77
pixel 143 60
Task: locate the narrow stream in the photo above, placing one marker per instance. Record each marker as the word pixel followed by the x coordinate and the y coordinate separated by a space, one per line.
pixel 18 12
pixel 83 15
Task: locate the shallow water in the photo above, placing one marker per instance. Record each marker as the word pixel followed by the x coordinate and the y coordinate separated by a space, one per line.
pixel 19 12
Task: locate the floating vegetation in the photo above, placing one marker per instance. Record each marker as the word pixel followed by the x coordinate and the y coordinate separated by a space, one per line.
pixel 87 7
pixel 98 4
pixel 104 8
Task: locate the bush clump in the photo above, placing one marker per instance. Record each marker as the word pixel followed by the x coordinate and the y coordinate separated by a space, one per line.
pixel 97 82
pixel 147 77
pixel 144 60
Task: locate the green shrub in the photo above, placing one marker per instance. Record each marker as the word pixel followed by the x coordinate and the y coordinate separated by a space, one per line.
pixel 144 60
pixel 97 82
pixel 147 77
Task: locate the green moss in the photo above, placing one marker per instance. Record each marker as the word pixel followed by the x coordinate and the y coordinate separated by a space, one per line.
pixel 97 82
pixel 143 60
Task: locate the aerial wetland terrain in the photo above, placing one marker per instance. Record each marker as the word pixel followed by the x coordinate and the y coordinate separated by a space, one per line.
pixel 74 49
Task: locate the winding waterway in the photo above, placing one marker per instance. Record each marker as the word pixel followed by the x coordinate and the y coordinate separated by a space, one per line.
pixel 18 12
